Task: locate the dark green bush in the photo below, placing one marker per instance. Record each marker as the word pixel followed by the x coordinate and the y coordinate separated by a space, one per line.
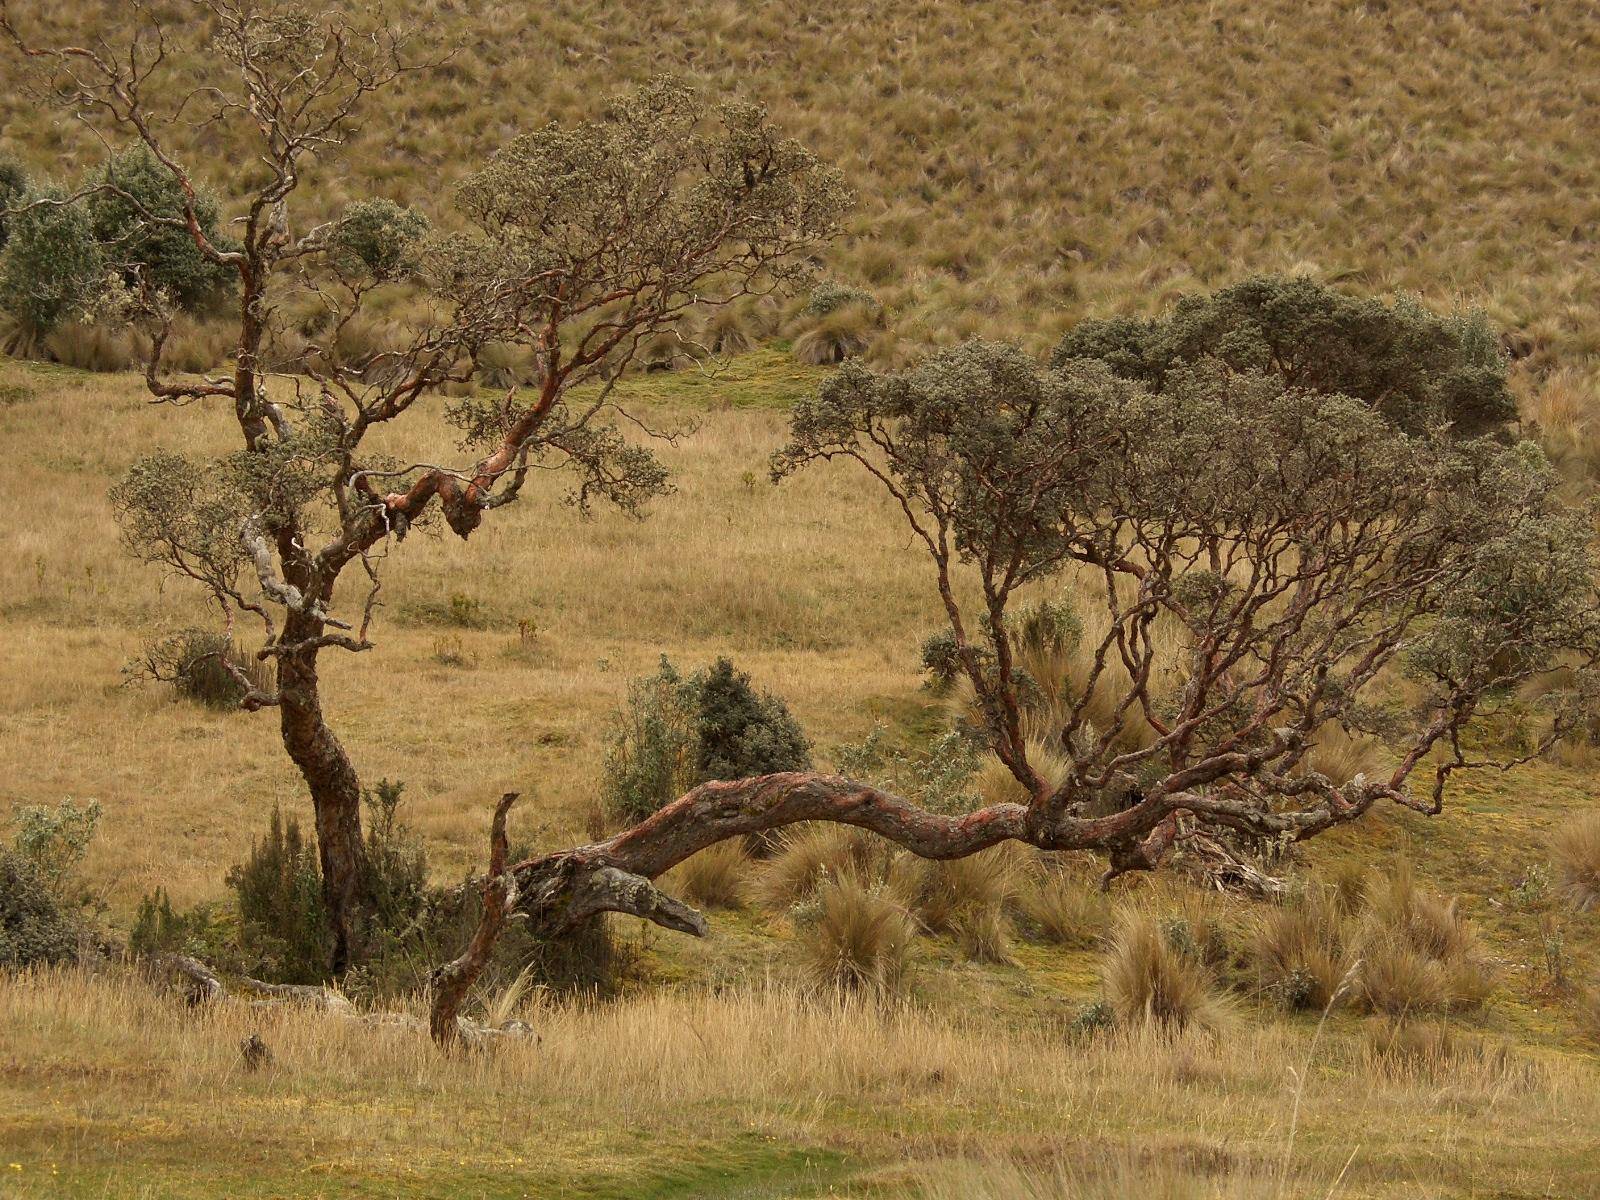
pixel 1412 365
pixel 674 733
pixel 13 187
pixel 194 660
pixel 164 255
pixel 284 933
pixel 52 267
pixel 37 926
pixel 740 733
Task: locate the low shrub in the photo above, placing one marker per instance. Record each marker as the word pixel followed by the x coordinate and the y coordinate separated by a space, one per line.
pixel 1575 855
pixel 284 933
pixel 196 662
pixel 202 931
pixel 1147 978
pixel 674 732
pixel 37 926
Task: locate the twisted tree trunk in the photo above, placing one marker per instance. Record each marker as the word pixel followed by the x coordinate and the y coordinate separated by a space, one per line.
pixel 335 796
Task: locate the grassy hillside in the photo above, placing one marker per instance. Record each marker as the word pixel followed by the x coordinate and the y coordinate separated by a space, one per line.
pixel 712 1075
pixel 1022 165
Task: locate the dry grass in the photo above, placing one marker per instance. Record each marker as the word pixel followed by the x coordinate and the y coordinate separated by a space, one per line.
pixel 857 938
pixel 1575 853
pixel 629 1095
pixel 1303 953
pixel 717 877
pixel 1146 978
pixel 1017 167
pixel 1066 908
pixel 181 787
pixel 1419 954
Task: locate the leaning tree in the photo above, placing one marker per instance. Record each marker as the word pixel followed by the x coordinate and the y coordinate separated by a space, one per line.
pixel 579 245
pixel 1260 553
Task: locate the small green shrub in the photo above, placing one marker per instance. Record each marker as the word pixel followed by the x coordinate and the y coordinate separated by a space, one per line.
pixel 163 255
pixel 674 732
pixel 285 934
pixel 37 927
pixel 55 841
pixel 196 662
pixel 284 930
pixel 651 746
pixel 201 932
pixel 52 267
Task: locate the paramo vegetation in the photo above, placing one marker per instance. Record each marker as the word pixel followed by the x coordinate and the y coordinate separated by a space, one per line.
pixel 1250 563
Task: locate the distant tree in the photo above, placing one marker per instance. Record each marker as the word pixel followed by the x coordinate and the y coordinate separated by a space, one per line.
pixel 579 244
pixel 161 255
pixel 1303 544
pixel 1419 369
pixel 52 268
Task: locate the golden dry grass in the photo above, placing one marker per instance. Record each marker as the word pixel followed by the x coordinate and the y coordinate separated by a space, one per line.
pixel 1021 165
pixel 807 586
pixel 691 1093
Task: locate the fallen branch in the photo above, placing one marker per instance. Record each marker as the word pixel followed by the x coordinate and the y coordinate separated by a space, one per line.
pixel 452 981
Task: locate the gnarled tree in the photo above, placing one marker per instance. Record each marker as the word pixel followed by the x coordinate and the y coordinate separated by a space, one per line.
pixel 1260 556
pixel 578 244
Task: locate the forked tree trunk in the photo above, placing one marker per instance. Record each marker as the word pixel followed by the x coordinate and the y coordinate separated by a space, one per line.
pixel 335 797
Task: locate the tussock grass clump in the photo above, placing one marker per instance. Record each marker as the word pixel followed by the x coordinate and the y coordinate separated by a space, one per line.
pixel 858 938
pixel 811 855
pixel 1575 854
pixel 1303 952
pixel 1146 978
pixel 95 346
pixel 1419 954
pixel 717 877
pixel 1065 908
pixel 967 898
pixel 841 333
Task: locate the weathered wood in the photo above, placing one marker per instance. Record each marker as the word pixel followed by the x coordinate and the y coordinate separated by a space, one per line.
pixel 452 981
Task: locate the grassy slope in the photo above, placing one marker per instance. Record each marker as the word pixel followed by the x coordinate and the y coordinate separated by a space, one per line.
pixel 813 589
pixel 1023 164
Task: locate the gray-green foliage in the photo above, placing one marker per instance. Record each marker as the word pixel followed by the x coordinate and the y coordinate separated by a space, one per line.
pixel 128 218
pixel 52 268
pixel 1418 368
pixel 13 187
pixel 379 238
pixel 674 732
pixel 1263 473
pixel 40 896
pixel 55 839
